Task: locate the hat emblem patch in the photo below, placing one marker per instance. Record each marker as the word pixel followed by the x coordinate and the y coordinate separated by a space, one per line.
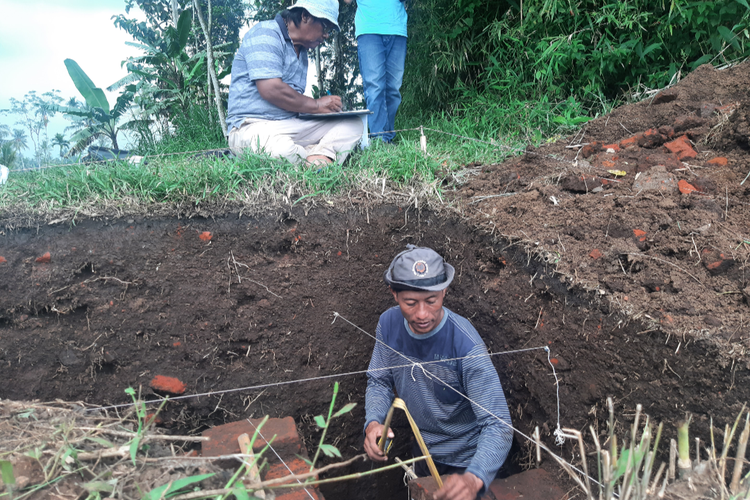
pixel 420 268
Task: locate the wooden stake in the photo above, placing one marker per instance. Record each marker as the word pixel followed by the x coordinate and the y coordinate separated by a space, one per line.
pixel 251 466
pixel 734 486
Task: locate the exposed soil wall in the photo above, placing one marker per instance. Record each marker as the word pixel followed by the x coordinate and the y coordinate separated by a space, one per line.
pixel 236 302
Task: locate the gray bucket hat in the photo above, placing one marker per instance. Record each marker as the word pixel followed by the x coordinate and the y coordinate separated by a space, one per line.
pixel 419 268
pixel 322 9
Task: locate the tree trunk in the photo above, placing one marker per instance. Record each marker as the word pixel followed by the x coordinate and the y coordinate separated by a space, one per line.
pixel 175 17
pixel 211 68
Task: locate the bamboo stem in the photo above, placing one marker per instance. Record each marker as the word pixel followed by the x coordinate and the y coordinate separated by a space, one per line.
pixel 683 448
pixel 734 486
pixel 672 459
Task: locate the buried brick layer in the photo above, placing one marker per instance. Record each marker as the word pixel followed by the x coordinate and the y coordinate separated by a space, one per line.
pixel 282 432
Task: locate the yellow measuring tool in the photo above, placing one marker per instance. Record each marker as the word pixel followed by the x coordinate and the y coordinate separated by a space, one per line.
pixel 399 403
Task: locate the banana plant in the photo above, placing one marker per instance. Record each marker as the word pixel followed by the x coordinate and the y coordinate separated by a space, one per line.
pixel 99 119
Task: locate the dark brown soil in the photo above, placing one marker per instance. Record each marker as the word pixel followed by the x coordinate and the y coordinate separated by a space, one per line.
pixel 644 318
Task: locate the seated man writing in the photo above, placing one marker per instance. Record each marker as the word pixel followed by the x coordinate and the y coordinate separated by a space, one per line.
pixel 269 74
pixel 448 400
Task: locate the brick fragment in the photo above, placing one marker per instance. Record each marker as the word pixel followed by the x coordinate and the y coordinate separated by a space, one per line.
pixel 685 187
pixel 716 262
pixel 170 385
pixel 682 148
pixel 205 236
pixel 667 131
pixel 719 161
pixel 595 254
pixel 44 259
pixel 224 437
pixel 614 147
pixel 3 260
pixel 640 234
pixel 590 149
pixel 651 139
pixel 630 142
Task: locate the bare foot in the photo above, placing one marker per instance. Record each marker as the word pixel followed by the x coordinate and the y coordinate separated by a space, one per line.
pixel 318 161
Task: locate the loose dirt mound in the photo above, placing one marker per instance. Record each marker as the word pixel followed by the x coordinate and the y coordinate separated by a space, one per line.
pixel 644 205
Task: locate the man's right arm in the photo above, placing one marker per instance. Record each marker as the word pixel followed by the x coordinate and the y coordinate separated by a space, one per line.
pixel 280 94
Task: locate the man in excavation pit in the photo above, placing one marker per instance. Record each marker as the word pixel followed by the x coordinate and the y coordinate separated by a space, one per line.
pixel 467 444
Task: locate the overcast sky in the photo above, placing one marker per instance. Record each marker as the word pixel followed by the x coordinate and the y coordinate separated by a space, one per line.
pixel 36 36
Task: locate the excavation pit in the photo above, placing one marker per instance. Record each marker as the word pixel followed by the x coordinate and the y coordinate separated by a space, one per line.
pixel 120 302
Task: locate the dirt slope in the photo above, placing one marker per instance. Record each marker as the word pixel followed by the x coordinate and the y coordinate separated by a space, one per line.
pixel 669 241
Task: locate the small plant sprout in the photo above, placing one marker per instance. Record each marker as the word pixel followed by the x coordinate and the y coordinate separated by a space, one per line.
pixel 140 412
pixel 328 449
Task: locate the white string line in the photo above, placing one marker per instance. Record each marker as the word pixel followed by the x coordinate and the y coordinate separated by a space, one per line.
pixel 278 456
pixel 302 380
pixel 542 445
pixel 559 435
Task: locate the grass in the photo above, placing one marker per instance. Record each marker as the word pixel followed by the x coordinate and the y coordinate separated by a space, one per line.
pixel 482 134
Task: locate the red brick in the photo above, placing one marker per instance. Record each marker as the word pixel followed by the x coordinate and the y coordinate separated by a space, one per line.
pixel 682 148
pixel 298 466
pixel 44 258
pixel 651 138
pixel 531 484
pixel 630 141
pixel 2 260
pixel 167 384
pixel 595 254
pixel 719 161
pixel 224 437
pixel 685 187
pixel 590 149
pixel 640 234
pixel 613 146
pixel 716 262
pixel 205 236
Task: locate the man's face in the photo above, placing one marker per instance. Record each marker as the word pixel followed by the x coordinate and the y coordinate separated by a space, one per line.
pixel 422 310
pixel 311 32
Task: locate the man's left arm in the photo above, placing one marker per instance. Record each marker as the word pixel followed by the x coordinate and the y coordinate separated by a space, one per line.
pixel 485 392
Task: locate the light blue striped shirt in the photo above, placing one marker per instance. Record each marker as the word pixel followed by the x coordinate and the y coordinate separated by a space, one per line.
pixel 457 432
pixel 266 52
pixel 380 17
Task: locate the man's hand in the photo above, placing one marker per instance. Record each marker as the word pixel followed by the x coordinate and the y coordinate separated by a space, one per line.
pixel 372 435
pixel 459 487
pixel 280 94
pixel 329 104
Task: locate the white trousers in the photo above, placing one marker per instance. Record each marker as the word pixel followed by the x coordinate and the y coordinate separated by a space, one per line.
pixel 296 139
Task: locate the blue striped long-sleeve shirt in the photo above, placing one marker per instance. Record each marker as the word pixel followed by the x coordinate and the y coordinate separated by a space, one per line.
pixel 457 431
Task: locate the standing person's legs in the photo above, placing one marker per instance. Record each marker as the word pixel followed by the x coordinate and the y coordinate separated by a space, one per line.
pixel 372 61
pixel 394 76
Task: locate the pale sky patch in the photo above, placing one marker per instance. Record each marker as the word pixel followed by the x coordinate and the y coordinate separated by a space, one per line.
pixel 36 36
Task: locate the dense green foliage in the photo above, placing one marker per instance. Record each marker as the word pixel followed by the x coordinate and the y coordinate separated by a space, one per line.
pixel 463 53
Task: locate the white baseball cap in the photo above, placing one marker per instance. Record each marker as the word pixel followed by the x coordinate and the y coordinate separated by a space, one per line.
pixel 323 9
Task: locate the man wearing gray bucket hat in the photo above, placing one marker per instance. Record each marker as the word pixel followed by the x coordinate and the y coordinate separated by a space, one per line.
pixel 266 95
pixel 437 363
